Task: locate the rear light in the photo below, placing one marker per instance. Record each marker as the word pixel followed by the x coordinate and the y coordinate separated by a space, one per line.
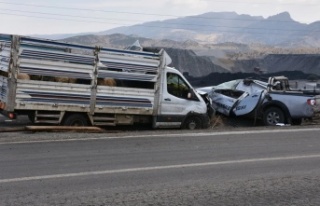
pixel 2 105
pixel 12 116
pixel 311 102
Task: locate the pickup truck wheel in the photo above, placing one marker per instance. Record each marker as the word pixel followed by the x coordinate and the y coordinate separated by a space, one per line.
pixel 296 121
pixel 273 116
pixel 192 123
pixel 76 120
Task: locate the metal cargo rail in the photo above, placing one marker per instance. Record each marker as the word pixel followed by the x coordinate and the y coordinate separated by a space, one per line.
pixel 45 61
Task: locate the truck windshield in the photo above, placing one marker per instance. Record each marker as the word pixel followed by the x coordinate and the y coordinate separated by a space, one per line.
pixel 177 86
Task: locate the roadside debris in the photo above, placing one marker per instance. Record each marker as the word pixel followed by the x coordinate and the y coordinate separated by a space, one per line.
pixel 282 124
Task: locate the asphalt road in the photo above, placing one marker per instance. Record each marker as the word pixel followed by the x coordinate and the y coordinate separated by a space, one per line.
pixel 261 167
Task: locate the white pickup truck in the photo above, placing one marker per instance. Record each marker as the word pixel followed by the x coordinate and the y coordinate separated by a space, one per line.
pixel 68 84
pixel 273 101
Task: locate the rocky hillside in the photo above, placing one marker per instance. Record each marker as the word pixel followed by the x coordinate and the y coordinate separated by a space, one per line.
pixel 122 41
pixel 186 61
pixel 218 78
pixel 221 27
pixel 183 58
pixel 199 60
pixel 307 63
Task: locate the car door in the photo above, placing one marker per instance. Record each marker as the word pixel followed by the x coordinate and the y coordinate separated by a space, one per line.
pixel 222 102
pixel 247 103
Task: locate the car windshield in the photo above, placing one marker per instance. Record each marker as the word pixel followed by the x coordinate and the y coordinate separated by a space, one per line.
pixel 228 85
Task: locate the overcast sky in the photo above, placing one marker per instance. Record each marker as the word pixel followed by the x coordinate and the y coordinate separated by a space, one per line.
pixel 27 17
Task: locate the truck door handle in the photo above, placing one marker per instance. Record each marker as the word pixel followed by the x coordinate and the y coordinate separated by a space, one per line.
pixel 167 99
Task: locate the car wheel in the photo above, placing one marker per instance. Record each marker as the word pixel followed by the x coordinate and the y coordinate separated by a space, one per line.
pixel 192 123
pixel 273 116
pixel 296 121
pixel 76 120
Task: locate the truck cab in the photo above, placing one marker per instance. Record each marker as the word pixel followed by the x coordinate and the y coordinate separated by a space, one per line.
pixel 278 84
pixel 181 105
pixel 282 105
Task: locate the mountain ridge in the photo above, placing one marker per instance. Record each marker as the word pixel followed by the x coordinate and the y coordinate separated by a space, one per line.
pixel 220 27
pixel 224 42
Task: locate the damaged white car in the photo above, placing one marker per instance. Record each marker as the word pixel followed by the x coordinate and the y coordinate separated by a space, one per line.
pixel 273 101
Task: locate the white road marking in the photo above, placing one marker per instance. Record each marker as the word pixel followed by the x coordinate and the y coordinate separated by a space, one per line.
pixel 143 169
pixel 203 134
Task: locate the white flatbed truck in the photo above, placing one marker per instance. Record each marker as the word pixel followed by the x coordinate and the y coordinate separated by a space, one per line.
pixel 145 89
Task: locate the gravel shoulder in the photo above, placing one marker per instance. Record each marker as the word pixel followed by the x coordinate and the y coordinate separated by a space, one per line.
pixel 14 131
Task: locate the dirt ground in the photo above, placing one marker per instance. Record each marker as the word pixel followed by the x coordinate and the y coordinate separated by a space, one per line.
pixel 218 122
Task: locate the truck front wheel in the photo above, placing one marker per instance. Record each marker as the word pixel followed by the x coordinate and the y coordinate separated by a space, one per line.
pixel 76 120
pixel 192 123
pixel 273 116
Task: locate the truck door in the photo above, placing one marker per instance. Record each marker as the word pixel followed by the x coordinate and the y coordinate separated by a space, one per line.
pixel 177 100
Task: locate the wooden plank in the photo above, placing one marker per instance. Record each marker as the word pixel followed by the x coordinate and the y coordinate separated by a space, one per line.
pixel 12 129
pixel 63 128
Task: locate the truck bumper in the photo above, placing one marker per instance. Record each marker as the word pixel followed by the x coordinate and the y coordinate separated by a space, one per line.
pixel 10 115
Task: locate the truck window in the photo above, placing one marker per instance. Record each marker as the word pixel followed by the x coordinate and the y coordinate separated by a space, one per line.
pixel 281 86
pixel 176 86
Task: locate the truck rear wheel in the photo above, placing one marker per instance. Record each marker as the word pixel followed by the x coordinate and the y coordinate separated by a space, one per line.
pixel 192 123
pixel 273 116
pixel 76 120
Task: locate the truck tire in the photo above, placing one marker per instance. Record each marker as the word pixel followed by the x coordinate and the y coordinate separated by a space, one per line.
pixel 76 120
pixel 296 121
pixel 273 116
pixel 192 122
